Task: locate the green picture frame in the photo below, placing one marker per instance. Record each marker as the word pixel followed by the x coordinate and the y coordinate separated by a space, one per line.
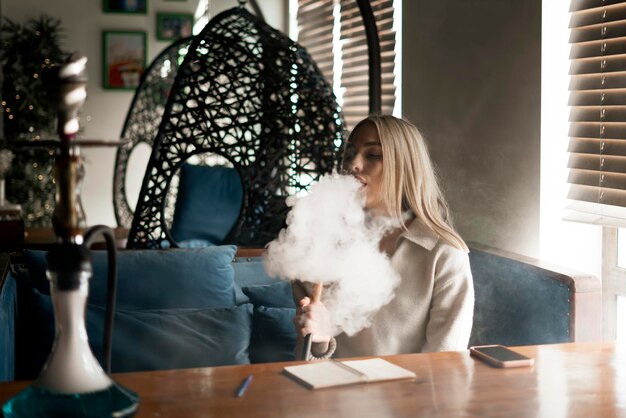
pixel 123 59
pixel 173 26
pixel 125 6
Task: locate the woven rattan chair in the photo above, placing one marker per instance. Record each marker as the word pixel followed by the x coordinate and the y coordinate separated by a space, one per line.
pixel 143 119
pixel 248 98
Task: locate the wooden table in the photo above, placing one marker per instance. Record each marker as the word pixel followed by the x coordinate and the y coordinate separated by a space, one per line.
pixel 568 380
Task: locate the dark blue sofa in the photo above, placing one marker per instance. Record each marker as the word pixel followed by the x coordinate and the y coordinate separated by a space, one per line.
pixel 524 301
pixel 210 307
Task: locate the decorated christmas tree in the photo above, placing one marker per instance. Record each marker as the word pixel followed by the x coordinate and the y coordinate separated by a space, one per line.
pixel 25 51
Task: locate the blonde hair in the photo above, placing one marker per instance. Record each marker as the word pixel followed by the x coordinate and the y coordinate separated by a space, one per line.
pixel 409 179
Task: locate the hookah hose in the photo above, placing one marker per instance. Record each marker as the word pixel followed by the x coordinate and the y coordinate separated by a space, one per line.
pixel 109 237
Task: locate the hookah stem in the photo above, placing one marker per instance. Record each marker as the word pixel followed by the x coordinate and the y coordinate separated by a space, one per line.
pixel 109 237
pixel 308 339
pixel 65 87
pixel 65 219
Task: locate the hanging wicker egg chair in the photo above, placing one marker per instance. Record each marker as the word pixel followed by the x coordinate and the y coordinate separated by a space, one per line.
pixel 248 95
pixel 143 119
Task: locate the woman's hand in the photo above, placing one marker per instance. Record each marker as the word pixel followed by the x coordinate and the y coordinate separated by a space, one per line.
pixel 313 318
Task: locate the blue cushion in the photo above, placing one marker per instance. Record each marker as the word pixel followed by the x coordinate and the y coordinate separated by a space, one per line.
pixel 208 203
pixel 8 311
pixel 273 332
pixel 152 339
pixel 517 303
pixel 251 271
pixel 273 335
pixel 157 279
pixel 277 295
pixel 193 243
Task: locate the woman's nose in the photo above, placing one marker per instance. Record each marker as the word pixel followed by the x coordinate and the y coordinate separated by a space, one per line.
pixel 356 165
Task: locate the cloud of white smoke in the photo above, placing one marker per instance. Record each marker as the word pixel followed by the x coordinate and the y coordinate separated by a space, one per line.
pixel 329 238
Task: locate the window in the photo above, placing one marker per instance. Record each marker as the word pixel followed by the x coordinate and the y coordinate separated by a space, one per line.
pixel 597 131
pixel 597 145
pixel 332 32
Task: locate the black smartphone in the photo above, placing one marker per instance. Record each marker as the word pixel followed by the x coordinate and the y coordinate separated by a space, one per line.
pixel 500 356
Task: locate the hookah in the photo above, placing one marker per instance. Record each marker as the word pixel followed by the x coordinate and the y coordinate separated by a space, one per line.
pixel 72 382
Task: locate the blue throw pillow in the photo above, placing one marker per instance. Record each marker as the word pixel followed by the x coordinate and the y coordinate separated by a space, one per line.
pixel 150 339
pixel 156 279
pixel 273 332
pixel 250 271
pixel 208 203
pixel 273 335
pixel 277 295
pixel 174 338
pixel 8 314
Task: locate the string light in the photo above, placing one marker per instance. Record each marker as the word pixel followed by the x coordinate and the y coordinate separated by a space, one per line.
pixel 31 185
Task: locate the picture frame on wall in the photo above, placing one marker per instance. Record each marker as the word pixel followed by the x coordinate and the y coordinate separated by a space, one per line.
pixel 123 59
pixel 125 6
pixel 173 26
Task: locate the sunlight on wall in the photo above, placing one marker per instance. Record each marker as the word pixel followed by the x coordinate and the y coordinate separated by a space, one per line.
pixel 201 16
pixel 337 55
pixel 293 19
pixel 568 244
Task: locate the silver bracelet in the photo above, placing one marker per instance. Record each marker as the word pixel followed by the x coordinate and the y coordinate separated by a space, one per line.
pixel 332 345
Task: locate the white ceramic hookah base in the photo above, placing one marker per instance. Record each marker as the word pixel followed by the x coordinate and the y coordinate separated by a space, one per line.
pixel 71 367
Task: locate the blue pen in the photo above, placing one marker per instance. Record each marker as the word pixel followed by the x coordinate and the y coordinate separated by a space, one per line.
pixel 244 386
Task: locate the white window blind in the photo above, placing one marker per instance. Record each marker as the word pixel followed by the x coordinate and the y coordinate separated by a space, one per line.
pixel 315 32
pixel 354 76
pixel 597 145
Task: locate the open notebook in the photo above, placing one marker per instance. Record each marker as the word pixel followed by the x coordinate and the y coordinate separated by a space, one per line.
pixel 330 373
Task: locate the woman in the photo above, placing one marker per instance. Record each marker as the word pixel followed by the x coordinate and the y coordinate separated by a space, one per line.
pixel 434 302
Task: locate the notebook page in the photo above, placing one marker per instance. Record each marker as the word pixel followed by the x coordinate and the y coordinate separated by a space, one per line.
pixel 378 369
pixel 322 374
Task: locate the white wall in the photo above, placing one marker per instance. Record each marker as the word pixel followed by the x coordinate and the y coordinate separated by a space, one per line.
pixel 490 94
pixel 473 87
pixel 104 112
